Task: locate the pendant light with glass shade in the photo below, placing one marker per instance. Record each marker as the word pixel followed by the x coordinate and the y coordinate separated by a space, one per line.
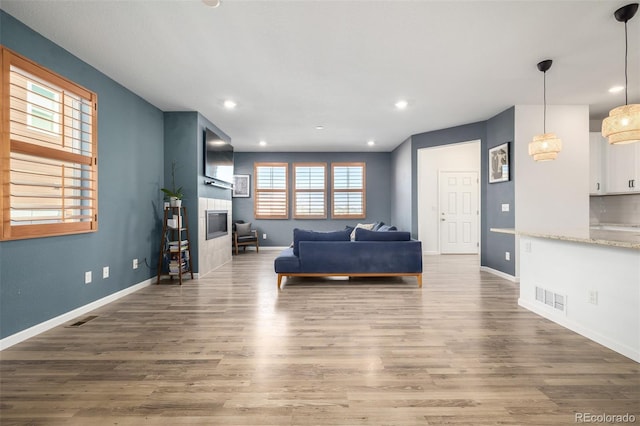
pixel 546 146
pixel 623 124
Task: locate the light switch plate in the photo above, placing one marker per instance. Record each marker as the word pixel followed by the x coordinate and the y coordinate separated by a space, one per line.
pixel 505 207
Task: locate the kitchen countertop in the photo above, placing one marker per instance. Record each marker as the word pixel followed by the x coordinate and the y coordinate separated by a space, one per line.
pixel 624 226
pixel 605 237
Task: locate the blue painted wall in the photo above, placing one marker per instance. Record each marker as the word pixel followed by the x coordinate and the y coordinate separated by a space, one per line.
pixel 184 142
pixel 401 192
pixel 500 129
pixel 180 146
pixel 44 277
pixel 280 232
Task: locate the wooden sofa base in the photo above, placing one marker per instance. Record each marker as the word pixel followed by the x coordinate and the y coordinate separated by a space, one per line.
pixel 418 276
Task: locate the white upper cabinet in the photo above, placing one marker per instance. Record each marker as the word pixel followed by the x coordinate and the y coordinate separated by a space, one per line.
pixel 596 163
pixel 623 168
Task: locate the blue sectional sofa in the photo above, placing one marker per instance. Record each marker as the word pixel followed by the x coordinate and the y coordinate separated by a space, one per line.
pixel 371 253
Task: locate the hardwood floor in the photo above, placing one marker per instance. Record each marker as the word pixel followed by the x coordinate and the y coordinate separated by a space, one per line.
pixel 229 349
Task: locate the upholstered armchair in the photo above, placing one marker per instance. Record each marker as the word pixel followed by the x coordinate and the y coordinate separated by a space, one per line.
pixel 244 236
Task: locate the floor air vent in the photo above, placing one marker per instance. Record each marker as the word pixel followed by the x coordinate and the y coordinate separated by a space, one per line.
pixel 551 299
pixel 83 321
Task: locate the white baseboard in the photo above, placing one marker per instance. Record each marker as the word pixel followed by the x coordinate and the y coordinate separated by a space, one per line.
pixel 23 335
pixel 500 274
pixel 583 331
pixel 431 253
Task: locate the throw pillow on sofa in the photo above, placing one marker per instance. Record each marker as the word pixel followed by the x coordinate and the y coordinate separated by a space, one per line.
pixel 386 228
pixel 366 235
pixel 303 235
pixel 367 226
pixel 377 226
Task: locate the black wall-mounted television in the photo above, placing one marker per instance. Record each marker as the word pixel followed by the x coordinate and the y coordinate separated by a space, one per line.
pixel 218 160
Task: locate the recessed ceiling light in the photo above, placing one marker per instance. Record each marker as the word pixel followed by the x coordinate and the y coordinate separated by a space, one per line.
pixel 263 143
pixel 319 127
pixel 402 104
pixel 616 89
pixel 211 3
pixel 229 104
pixel 371 143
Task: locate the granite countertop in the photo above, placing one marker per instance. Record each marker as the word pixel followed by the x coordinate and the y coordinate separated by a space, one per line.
pixel 605 237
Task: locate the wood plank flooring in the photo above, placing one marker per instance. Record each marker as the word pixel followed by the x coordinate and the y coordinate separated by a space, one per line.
pixel 229 349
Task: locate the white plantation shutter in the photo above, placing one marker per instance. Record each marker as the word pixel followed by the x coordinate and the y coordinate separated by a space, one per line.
pixel 310 193
pixel 51 146
pixel 271 191
pixel 348 190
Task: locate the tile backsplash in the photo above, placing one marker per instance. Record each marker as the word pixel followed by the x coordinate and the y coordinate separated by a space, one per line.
pixel 615 209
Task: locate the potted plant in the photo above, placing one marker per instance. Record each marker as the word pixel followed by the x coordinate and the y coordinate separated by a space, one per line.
pixel 174 193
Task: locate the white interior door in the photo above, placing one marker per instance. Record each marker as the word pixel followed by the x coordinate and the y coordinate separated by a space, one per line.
pixel 458 212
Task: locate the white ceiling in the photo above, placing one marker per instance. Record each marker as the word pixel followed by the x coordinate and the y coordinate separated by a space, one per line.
pixel 293 65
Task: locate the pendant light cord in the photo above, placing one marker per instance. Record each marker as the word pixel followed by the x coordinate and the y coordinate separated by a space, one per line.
pixel 544 97
pixel 626 53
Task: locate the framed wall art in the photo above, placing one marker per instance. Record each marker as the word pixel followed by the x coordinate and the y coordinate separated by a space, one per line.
pixel 241 186
pixel 499 163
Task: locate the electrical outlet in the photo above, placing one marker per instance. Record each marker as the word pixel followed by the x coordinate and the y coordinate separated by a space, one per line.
pixel 527 247
pixel 105 272
pixel 505 207
pixel 87 277
pixel 264 236
pixel 593 297
pixel 135 263
pixel 507 255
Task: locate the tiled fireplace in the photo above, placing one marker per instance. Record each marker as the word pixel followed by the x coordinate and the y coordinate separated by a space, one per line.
pixel 213 252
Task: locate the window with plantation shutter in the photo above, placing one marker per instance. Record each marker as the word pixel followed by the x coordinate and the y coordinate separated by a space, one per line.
pixel 49 151
pixel 310 190
pixel 348 191
pixel 271 191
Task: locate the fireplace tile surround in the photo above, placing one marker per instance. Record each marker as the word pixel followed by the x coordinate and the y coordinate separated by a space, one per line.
pixel 217 251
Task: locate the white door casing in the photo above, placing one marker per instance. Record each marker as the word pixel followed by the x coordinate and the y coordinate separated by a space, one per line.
pixel 459 212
